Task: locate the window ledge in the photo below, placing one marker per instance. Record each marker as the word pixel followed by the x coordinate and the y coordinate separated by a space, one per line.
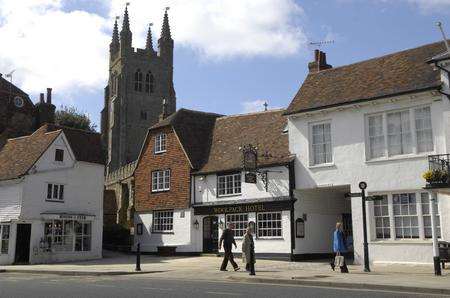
pixel 269 238
pixel 402 241
pixel 160 191
pixel 166 233
pixel 230 195
pixel 54 201
pixel 399 157
pixel 320 166
pixel 160 152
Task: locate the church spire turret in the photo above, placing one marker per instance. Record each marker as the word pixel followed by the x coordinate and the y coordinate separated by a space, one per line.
pixel 165 42
pixel 165 31
pixel 125 33
pixel 115 43
pixel 149 43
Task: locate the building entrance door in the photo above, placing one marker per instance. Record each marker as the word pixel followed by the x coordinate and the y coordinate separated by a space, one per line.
pixel 22 255
pixel 347 228
pixel 210 234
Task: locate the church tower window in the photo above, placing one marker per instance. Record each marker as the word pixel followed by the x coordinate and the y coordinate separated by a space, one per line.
pixel 149 82
pixel 138 80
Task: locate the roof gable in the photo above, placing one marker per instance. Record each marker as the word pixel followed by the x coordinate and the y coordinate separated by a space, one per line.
pixel 397 73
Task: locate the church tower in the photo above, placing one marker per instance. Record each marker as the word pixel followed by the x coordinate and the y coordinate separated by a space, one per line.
pixel 140 80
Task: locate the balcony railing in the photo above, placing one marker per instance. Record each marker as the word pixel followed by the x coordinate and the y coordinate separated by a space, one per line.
pixel 438 171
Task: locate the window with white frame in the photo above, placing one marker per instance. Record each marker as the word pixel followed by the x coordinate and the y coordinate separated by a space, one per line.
pixel 382 220
pixel 229 184
pixel 321 150
pixel 4 238
pixel 160 143
pixel 269 224
pixel 376 136
pixel 55 192
pixel 240 221
pixel 68 235
pixel 426 214
pixel 161 180
pixel 404 216
pixel 400 132
pixel 163 221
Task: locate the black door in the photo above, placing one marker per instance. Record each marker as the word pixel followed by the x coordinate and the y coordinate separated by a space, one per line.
pixel 210 234
pixel 23 244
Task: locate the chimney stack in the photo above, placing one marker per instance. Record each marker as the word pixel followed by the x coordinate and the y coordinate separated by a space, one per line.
pixel 41 98
pixel 319 63
pixel 49 95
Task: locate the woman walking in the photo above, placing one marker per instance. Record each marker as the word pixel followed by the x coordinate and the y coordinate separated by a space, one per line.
pixel 248 251
pixel 339 247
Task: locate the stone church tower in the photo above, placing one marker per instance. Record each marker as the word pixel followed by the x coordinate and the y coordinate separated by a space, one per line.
pixel 140 80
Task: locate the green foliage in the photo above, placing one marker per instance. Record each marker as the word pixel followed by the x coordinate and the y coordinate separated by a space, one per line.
pixel 435 176
pixel 116 234
pixel 71 117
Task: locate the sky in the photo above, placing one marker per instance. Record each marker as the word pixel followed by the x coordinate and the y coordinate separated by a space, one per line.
pixel 230 56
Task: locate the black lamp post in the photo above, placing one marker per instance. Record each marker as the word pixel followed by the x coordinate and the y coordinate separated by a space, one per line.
pixel 363 185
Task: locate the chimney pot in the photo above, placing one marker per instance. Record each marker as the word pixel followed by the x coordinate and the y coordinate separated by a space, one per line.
pixel 41 98
pixel 49 95
pixel 319 63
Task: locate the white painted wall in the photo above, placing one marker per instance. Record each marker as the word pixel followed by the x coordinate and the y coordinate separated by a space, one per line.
pixel 350 166
pixel 10 200
pixel 206 187
pixel 83 194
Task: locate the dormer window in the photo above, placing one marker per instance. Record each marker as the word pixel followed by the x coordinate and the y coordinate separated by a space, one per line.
pixel 160 143
pixel 59 155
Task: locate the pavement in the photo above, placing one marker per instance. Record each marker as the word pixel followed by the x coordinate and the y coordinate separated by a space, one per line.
pixel 406 278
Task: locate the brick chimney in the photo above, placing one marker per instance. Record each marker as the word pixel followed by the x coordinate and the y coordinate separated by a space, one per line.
pixel 45 109
pixel 319 63
pixel 49 95
pixel 41 98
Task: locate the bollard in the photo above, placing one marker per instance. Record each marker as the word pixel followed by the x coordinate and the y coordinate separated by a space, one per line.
pixel 138 257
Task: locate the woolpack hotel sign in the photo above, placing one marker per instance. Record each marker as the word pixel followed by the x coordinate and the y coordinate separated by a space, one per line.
pixel 243 208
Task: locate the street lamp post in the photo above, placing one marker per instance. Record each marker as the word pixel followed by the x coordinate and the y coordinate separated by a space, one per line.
pixel 363 185
pixel 436 258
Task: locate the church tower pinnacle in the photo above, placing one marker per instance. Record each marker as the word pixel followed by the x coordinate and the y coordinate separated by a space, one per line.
pixel 149 43
pixel 115 43
pixel 125 33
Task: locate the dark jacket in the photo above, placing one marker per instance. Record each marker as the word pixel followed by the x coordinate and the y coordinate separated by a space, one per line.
pixel 227 238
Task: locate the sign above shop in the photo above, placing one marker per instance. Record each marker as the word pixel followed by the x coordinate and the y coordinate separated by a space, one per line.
pixel 67 216
pixel 244 208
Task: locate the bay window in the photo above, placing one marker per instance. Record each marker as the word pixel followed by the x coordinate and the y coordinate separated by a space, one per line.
pixel 401 132
pixel 404 216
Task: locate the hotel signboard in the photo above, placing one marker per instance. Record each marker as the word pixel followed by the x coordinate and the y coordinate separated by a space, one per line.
pixel 243 208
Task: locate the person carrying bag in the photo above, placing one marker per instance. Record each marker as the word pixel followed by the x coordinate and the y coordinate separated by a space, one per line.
pixel 339 247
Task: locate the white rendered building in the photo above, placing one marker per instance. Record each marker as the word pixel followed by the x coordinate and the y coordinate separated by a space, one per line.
pixel 51 197
pixel 376 121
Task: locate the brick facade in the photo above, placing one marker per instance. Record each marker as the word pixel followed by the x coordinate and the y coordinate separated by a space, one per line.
pixel 174 159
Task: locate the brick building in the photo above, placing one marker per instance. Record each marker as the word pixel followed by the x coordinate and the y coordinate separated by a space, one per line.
pixel 19 116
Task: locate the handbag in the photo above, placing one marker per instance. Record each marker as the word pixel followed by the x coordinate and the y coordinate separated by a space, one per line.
pixel 339 261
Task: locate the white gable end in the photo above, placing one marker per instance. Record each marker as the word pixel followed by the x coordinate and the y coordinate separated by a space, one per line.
pixel 49 160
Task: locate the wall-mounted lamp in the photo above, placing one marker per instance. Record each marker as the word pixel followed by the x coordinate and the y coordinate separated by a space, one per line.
pixel 196 224
pixel 202 178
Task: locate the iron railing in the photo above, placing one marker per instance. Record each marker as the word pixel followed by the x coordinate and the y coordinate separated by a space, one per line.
pixel 439 163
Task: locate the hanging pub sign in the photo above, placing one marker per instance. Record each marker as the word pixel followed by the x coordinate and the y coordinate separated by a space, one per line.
pixel 250 158
pixel 250 177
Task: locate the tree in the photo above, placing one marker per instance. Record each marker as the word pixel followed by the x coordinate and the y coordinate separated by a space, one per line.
pixel 71 117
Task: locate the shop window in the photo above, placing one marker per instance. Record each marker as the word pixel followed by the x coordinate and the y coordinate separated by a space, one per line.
pixel 229 184
pixel 269 225
pixel 4 238
pixel 240 221
pixel 300 228
pixel 68 235
pixel 161 180
pixel 55 192
pixel 163 221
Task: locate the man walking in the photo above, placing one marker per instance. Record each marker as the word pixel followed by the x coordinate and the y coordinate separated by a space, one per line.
pixel 228 240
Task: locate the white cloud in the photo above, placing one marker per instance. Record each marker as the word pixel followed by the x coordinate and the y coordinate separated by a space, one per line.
pixel 68 50
pixel 253 106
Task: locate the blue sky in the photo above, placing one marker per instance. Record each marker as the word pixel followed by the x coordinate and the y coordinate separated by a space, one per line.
pixel 260 55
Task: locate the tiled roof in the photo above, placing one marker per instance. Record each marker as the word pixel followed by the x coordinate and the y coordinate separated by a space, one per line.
pixel 20 154
pixel 194 130
pixel 397 73
pixel 263 130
